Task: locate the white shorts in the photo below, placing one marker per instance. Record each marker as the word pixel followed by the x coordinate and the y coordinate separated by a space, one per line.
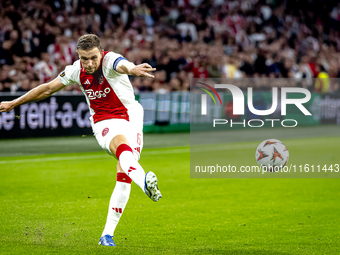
pixel 106 130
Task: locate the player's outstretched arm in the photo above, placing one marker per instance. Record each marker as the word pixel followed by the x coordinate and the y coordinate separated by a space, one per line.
pixel 126 67
pixel 38 93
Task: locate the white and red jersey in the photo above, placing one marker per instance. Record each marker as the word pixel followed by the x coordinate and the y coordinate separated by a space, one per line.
pixel 108 93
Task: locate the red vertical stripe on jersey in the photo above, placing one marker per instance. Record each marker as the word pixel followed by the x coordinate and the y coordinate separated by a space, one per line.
pixel 103 100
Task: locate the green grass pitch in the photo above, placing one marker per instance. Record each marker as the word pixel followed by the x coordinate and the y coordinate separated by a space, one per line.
pixel 57 204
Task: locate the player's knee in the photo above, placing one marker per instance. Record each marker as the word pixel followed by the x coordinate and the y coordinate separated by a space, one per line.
pixel 116 141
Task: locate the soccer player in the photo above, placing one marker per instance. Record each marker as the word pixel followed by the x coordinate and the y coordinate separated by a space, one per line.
pixel 116 117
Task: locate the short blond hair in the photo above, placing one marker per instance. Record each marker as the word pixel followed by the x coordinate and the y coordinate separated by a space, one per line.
pixel 88 42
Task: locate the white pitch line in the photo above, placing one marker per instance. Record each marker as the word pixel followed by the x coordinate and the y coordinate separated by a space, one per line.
pixel 85 157
pixel 49 159
pixel 175 151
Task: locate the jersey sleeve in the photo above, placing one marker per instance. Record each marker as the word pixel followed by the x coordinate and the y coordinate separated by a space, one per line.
pixel 70 75
pixel 111 61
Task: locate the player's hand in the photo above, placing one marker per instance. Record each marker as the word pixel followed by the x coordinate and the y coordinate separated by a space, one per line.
pixel 6 106
pixel 142 70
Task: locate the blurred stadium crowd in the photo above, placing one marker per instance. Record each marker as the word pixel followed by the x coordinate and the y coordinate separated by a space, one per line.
pixel 181 38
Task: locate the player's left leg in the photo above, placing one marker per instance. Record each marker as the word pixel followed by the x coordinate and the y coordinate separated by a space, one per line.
pixel 120 147
pixel 118 201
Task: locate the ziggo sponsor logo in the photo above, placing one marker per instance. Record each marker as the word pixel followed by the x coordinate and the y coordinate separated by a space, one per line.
pixel 97 94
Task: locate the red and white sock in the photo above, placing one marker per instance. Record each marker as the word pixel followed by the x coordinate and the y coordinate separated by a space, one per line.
pixel 130 165
pixel 118 201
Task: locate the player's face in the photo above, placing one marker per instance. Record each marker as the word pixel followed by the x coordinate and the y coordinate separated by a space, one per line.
pixel 90 59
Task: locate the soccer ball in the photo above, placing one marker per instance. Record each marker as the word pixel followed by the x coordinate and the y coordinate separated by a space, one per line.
pixel 272 155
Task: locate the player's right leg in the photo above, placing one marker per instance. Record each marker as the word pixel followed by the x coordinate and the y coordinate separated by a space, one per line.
pixel 118 201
